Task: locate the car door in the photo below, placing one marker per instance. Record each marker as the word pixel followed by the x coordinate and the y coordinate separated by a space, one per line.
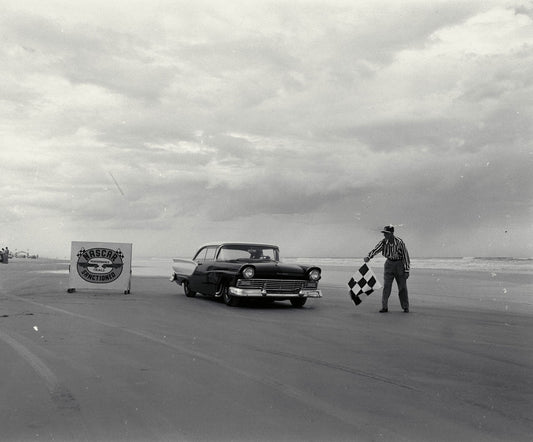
pixel 202 278
pixel 195 280
pixel 207 271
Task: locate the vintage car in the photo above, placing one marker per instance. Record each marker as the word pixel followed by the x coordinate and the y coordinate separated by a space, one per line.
pixel 233 271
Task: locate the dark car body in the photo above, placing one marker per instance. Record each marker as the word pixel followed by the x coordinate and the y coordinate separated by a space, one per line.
pixel 232 271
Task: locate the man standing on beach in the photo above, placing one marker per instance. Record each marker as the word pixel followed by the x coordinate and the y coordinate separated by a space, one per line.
pixel 397 267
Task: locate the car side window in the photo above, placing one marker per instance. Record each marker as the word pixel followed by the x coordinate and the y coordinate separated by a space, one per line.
pixel 200 256
pixel 210 253
pixel 230 254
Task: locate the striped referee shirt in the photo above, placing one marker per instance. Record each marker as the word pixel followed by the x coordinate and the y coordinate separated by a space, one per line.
pixel 394 250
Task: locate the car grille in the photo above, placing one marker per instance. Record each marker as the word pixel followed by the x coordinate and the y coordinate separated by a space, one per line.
pixel 275 285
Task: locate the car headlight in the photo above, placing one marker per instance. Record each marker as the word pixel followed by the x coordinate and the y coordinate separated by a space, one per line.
pixel 314 275
pixel 248 272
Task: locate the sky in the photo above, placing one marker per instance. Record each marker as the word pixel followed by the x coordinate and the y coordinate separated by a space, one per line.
pixel 307 124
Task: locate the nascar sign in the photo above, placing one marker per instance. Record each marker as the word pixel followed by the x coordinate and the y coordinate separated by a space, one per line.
pixel 99 265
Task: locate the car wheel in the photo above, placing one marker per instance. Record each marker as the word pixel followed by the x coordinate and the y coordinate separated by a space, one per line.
pixel 188 292
pixel 298 302
pixel 229 300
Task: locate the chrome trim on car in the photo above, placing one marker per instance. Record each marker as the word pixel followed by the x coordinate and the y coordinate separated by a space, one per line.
pixel 286 288
pixel 255 293
pixel 278 285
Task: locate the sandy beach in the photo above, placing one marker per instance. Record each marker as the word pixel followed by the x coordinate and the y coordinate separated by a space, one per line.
pixel 157 366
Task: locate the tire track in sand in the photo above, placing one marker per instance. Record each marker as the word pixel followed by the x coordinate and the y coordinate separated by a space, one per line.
pixel 60 395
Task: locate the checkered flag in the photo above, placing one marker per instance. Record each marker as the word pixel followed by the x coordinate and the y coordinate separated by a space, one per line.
pixel 363 281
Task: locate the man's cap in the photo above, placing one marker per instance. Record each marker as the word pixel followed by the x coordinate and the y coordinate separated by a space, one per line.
pixel 388 229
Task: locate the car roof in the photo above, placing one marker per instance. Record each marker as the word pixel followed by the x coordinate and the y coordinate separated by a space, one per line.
pixel 249 244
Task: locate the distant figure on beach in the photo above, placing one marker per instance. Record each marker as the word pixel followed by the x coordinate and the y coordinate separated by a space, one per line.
pixel 397 267
pixel 2 255
pixel 6 256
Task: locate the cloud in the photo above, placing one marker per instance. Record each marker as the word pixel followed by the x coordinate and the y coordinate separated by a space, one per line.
pixel 304 122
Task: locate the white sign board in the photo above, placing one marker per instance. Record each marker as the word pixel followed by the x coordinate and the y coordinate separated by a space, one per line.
pixel 100 265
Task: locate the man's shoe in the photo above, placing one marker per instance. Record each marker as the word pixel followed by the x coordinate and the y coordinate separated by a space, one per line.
pixel 406 310
pixel 384 310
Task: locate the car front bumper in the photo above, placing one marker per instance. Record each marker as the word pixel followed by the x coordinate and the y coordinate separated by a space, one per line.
pixel 257 293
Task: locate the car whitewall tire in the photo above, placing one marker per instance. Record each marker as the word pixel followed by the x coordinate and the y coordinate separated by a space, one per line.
pixel 229 300
pixel 298 302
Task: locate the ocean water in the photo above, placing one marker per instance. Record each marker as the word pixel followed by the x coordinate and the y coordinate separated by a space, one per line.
pixel 163 266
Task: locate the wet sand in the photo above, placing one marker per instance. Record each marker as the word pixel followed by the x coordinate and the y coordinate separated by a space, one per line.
pixel 157 366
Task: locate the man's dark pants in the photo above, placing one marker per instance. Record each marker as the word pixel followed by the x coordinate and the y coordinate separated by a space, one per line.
pixel 395 270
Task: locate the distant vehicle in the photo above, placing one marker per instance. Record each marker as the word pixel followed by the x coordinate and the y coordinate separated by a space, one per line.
pixel 234 271
pixel 21 254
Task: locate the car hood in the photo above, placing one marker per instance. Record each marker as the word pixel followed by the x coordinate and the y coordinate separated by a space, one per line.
pixel 279 270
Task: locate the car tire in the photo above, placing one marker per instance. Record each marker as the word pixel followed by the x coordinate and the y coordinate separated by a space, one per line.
pixel 188 292
pixel 298 302
pixel 230 301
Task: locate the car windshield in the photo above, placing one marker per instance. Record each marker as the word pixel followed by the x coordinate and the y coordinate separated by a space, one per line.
pixel 248 253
